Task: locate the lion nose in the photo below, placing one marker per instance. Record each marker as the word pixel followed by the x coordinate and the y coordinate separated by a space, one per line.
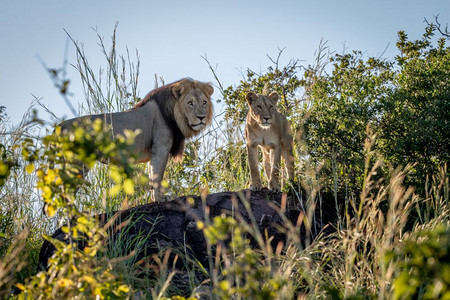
pixel 266 118
pixel 201 118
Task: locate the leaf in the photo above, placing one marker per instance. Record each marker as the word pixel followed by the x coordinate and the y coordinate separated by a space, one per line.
pixel 164 184
pixel 224 285
pixel 29 168
pixel 200 225
pixel 115 174
pixel 128 186
pixel 50 210
pixel 47 192
pixel 64 282
pixel 123 288
pixel 89 279
pixel 82 220
pixel 114 190
pixel 191 201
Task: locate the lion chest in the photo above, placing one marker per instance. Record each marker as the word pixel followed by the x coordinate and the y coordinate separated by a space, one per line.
pixel 265 138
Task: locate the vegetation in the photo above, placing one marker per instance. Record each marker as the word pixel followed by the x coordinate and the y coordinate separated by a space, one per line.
pixel 373 132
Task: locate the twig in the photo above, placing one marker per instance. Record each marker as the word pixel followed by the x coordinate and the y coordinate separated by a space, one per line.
pixel 213 70
pixel 59 79
pixel 276 62
pixel 438 25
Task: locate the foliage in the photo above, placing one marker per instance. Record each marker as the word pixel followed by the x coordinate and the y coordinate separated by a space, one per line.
pixel 73 272
pixel 284 81
pixel 344 104
pixel 424 265
pixel 405 102
pixel 247 273
pixel 11 263
pixel 111 88
pixel 415 124
pixel 20 229
pixel 6 163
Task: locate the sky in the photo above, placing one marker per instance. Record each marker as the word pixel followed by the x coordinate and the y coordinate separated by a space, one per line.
pixel 172 36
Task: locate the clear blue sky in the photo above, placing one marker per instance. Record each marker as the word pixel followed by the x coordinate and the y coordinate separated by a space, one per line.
pixel 171 37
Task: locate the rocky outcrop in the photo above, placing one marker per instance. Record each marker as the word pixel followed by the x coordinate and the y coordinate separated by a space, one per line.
pixel 149 228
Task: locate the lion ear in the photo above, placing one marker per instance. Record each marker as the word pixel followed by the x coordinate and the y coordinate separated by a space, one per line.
pixel 208 89
pixel 180 88
pixel 250 97
pixel 274 96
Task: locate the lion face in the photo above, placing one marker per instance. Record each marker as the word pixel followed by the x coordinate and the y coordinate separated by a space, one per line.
pixel 262 108
pixel 194 108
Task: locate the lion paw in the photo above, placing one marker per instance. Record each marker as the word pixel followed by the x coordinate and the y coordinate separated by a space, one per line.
pixel 164 199
pixel 275 188
pixel 157 196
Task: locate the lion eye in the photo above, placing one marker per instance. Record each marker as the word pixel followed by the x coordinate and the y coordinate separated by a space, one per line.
pixel 204 103
pixel 259 106
pixel 190 103
pixel 271 107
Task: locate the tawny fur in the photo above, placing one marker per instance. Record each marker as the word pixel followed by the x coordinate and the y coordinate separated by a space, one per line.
pixel 271 131
pixel 165 118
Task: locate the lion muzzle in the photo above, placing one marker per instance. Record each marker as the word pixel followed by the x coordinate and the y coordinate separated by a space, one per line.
pixel 266 122
pixel 200 125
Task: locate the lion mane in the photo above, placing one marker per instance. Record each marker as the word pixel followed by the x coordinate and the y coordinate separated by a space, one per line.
pixel 164 98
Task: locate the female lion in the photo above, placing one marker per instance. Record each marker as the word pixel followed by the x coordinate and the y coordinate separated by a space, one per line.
pixel 267 128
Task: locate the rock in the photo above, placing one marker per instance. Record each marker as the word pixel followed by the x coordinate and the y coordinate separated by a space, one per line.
pixel 150 227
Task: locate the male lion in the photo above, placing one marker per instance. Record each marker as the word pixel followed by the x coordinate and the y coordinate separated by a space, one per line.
pixel 164 118
pixel 267 128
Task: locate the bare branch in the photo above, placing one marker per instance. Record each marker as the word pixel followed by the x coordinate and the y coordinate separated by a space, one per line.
pixel 276 62
pixel 438 26
pixel 213 70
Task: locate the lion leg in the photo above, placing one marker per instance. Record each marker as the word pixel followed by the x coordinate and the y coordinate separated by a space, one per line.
pixel 275 159
pixel 255 179
pixel 288 155
pixel 267 163
pixel 157 166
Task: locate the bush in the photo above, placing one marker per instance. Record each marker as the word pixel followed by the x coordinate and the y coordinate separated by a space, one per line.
pixel 424 265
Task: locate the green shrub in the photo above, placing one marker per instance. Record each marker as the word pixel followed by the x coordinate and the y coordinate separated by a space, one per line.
pixel 424 265
pixel 74 272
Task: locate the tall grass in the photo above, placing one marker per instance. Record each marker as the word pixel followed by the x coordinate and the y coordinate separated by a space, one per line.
pixel 363 257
